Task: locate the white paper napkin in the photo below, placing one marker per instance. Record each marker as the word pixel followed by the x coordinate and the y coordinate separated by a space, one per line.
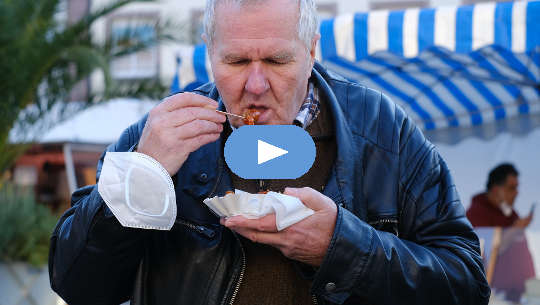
pixel 288 209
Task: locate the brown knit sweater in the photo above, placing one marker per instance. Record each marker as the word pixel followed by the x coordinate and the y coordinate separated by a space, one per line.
pixel 270 277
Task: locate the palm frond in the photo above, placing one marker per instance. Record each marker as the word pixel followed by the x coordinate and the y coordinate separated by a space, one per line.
pixel 42 61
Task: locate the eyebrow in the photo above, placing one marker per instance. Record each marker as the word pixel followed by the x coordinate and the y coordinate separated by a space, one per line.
pixel 280 56
pixel 233 57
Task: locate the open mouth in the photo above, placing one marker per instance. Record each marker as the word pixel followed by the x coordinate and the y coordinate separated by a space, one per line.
pixel 256 115
pixel 259 108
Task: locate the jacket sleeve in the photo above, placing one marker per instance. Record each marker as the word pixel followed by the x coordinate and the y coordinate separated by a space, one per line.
pixel 436 258
pixel 93 259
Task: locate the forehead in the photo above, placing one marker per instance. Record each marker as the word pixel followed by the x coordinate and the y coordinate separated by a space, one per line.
pixel 511 181
pixel 256 22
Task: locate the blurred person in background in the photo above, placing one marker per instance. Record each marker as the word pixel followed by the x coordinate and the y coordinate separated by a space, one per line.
pixel 495 206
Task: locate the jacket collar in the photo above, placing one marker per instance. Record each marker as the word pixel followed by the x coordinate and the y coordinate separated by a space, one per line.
pixel 339 187
pixel 211 164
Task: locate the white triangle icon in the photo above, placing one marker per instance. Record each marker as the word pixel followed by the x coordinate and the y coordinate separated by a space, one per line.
pixel 267 152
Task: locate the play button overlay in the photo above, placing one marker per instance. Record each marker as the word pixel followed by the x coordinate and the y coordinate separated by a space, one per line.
pixel 269 152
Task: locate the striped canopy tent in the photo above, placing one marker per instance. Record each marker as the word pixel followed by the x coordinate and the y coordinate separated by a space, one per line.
pixel 457 71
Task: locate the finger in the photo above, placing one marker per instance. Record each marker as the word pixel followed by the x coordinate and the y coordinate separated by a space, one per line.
pixel 263 224
pixel 187 114
pixel 195 143
pixel 274 239
pixel 186 99
pixel 309 197
pixel 196 128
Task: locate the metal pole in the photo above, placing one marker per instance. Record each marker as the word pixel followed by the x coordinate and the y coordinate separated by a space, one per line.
pixel 70 168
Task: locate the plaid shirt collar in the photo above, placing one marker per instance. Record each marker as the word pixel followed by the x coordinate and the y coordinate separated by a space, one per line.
pixel 310 109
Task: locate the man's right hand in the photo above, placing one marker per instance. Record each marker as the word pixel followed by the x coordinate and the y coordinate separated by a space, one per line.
pixel 178 126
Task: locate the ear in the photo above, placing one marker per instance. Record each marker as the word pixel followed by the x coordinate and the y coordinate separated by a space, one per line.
pixel 313 51
pixel 312 54
pixel 208 48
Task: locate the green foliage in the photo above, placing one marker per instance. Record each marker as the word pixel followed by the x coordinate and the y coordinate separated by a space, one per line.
pixel 26 226
pixel 42 59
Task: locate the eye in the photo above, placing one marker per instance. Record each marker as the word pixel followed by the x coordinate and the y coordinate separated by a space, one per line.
pixel 275 61
pixel 238 62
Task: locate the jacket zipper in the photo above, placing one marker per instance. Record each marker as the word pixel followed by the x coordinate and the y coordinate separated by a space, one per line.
pixel 314 299
pixel 387 221
pixel 384 220
pixel 198 228
pixel 240 277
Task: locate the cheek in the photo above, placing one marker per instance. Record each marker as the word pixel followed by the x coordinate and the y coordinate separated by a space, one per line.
pixel 229 84
pixel 291 85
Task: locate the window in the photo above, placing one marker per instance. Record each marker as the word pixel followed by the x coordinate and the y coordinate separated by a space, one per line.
pixel 126 30
pixel 397 4
pixel 327 10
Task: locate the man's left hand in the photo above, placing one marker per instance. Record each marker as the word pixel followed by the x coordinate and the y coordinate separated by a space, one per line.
pixel 306 241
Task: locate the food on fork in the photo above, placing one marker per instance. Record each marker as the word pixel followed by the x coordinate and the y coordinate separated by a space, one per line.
pixel 251 116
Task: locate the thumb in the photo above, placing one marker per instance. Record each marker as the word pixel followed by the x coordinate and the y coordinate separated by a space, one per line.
pixel 310 197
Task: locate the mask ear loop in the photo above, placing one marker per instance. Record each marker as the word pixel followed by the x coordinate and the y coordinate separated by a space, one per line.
pixel 165 205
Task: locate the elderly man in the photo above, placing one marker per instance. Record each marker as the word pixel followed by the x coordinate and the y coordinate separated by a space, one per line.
pixel 387 228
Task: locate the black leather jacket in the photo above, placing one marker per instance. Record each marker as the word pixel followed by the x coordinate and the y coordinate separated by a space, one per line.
pixel 401 236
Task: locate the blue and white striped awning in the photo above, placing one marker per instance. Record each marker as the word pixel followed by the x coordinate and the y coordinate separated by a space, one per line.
pixel 452 67
pixel 449 67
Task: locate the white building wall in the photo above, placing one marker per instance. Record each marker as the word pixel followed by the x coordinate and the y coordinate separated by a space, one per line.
pixel 173 11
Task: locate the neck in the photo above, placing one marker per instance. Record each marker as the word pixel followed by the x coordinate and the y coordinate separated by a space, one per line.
pixel 493 199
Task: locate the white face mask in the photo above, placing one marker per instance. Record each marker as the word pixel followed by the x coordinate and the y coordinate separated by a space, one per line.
pixel 506 209
pixel 138 191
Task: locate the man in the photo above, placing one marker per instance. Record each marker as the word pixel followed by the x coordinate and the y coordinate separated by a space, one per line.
pixel 387 228
pixel 495 207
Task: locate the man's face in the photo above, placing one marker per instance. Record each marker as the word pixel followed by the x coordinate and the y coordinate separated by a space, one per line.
pixel 259 62
pixel 510 189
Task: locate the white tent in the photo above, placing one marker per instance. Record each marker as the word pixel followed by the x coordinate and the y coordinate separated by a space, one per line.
pixel 100 124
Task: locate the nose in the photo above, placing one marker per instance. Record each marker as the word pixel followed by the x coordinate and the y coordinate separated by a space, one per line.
pixel 256 83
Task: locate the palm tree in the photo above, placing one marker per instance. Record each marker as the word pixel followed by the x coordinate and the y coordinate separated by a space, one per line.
pixel 41 60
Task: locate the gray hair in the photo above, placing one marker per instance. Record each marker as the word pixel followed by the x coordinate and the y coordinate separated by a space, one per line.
pixel 308 21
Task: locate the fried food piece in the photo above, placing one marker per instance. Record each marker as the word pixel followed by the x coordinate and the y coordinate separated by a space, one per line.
pixel 251 116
